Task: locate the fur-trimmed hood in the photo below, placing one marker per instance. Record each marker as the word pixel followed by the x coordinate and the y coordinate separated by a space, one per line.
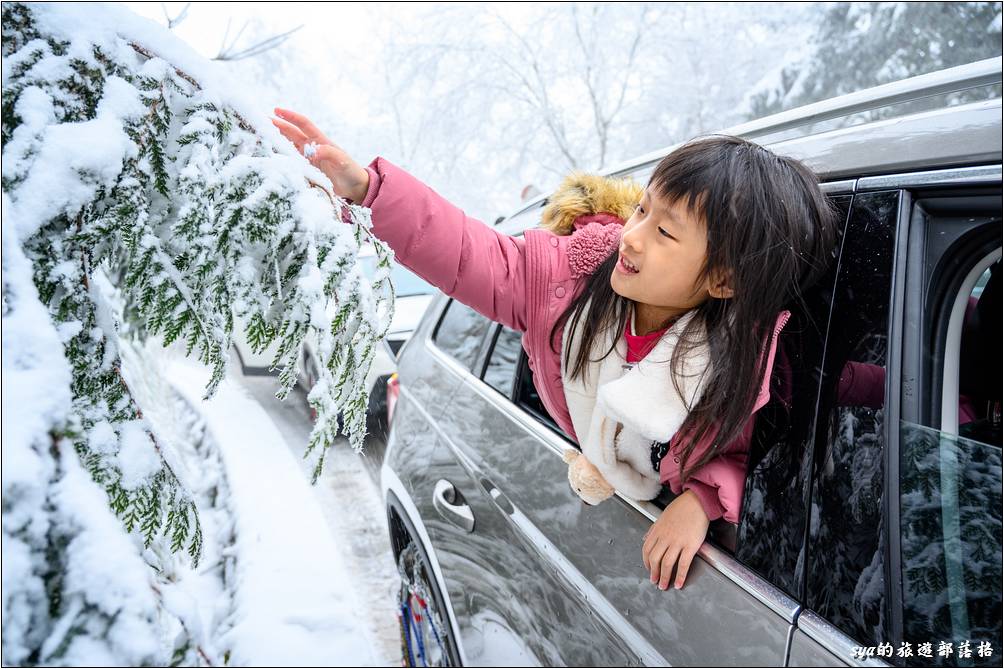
pixel 589 198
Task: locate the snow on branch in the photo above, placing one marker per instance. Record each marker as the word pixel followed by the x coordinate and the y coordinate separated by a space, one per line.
pixel 139 204
pixel 117 162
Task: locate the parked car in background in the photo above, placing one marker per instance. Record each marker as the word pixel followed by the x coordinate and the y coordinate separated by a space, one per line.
pixel 412 296
pixel 866 528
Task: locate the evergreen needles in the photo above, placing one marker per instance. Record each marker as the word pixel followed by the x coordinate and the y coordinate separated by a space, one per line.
pixel 118 164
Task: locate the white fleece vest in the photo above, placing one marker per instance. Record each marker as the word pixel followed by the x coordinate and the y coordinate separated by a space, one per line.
pixel 619 410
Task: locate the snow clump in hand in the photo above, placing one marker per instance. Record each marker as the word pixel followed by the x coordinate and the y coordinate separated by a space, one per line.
pixel 310 150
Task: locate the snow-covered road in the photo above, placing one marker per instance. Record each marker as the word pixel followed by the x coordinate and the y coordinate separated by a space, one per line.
pixel 354 510
pixel 335 583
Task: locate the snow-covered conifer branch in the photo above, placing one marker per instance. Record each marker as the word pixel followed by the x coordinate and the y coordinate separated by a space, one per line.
pixel 117 162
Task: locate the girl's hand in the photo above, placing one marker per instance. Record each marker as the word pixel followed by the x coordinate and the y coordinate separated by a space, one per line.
pixel 348 178
pixel 674 540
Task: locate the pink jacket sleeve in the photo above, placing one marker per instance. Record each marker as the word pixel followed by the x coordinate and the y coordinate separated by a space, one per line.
pixel 719 484
pixel 861 384
pixel 461 256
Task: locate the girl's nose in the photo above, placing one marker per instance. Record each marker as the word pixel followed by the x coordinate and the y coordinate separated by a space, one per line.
pixel 631 238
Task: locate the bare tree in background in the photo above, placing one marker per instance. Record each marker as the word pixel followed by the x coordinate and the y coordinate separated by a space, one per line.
pixel 231 48
pixel 607 94
pixel 547 88
pixel 529 93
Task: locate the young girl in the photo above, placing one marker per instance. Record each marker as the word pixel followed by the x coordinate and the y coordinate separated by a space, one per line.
pixel 725 235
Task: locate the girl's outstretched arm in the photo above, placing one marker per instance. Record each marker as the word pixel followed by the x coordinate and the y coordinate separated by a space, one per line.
pixel 463 257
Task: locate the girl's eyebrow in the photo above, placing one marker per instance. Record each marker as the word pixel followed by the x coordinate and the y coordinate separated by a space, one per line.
pixel 667 213
pixel 673 218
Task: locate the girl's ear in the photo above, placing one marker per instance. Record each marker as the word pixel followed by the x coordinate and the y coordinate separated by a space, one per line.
pixel 720 286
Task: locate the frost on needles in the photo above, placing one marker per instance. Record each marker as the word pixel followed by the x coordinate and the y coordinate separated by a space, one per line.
pixel 117 163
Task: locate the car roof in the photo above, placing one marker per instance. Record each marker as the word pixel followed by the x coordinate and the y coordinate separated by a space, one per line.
pixel 949 136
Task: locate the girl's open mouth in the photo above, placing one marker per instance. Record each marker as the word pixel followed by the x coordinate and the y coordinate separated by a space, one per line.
pixel 626 267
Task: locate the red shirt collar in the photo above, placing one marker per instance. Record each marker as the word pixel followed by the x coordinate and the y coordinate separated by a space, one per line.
pixel 638 346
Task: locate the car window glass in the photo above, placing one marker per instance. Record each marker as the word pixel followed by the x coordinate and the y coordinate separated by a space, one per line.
pixel 460 333
pixel 771 533
pixel 950 546
pixel 950 491
pixel 500 372
pixel 845 577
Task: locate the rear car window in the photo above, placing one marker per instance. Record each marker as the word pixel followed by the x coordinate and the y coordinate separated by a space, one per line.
pixel 460 333
pixel 500 371
pixel 950 465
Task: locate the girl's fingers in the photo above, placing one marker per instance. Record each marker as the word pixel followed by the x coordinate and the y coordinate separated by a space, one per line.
pixel 646 552
pixel 303 123
pixel 668 562
pixel 655 556
pixel 686 557
pixel 647 543
pixel 291 132
pixel 329 154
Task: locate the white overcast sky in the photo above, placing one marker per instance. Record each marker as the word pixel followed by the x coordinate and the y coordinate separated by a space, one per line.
pixel 350 23
pixel 334 48
pixel 356 26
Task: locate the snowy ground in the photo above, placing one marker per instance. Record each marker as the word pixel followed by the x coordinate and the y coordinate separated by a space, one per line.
pixel 323 569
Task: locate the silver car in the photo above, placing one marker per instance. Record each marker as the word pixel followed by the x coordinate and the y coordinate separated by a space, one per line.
pixel 871 529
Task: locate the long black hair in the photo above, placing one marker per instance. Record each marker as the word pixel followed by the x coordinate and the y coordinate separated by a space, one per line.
pixel 770 230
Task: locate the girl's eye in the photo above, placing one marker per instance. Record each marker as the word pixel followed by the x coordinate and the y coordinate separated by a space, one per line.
pixel 637 207
pixel 665 234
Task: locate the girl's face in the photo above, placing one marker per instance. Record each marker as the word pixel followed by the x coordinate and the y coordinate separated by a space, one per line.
pixel 662 250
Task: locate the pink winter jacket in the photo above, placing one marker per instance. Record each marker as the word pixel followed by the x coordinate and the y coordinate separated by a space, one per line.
pixel 526 284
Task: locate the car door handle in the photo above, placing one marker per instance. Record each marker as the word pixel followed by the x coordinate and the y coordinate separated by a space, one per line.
pixel 451 505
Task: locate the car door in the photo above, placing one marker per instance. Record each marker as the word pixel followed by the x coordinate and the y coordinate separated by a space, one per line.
pixel 526 601
pixel 876 523
pixel 563 579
